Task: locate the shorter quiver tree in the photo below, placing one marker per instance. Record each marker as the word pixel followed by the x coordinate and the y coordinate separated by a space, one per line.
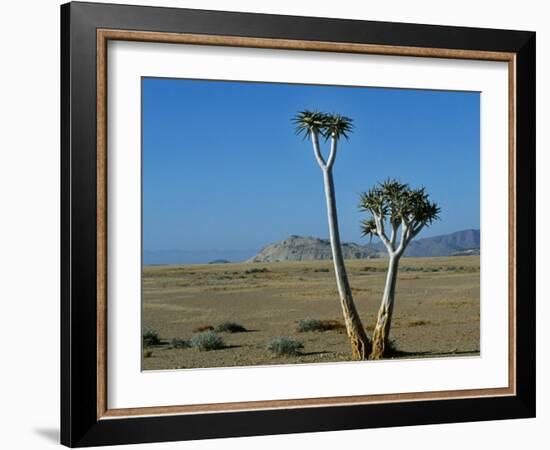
pixel 393 206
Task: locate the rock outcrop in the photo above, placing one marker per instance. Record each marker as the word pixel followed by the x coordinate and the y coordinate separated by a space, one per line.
pixel 298 248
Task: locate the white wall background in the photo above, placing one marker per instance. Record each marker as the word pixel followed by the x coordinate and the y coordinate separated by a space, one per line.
pixel 29 223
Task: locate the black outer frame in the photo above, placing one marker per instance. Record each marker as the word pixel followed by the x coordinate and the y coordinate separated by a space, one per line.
pixel 79 424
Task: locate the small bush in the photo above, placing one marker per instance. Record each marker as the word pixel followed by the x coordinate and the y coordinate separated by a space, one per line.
pixel 206 341
pixel 412 269
pixel 373 269
pixel 230 327
pixel 306 325
pixel 333 325
pixel 147 353
pixel 418 323
pixel 150 337
pixel 180 343
pixel 283 345
pixel 202 328
pixel 255 270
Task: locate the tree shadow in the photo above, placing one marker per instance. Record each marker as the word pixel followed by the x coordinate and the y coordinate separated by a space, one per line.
pixel 316 353
pixel 427 354
pixel 462 352
pixel 161 344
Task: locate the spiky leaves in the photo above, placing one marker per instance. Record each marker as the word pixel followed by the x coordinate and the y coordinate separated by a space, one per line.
pixel 327 125
pixel 396 204
pixel 368 227
pixel 309 122
pixel 312 124
pixel 337 126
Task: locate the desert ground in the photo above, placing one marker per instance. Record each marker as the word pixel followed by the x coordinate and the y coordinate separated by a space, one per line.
pixel 436 310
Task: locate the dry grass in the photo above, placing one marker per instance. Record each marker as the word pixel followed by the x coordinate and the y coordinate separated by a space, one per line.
pixel 306 325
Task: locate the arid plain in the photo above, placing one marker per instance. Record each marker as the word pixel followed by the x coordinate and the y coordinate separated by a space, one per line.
pixel 437 311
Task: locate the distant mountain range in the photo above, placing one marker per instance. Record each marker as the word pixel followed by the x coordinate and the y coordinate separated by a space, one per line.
pixel 461 242
pixel 299 248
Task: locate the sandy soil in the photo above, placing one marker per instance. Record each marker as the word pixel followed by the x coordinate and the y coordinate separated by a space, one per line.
pixel 436 311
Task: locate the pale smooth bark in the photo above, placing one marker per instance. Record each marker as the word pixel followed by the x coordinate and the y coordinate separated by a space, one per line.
pixel 360 342
pixel 381 333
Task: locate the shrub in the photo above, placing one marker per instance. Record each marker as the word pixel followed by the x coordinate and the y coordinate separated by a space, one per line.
pixel 283 345
pixel 255 270
pixel 333 325
pixel 206 341
pixel 150 337
pixel 147 353
pixel 373 269
pixel 180 343
pixel 230 327
pixel 202 328
pixel 305 325
pixel 418 323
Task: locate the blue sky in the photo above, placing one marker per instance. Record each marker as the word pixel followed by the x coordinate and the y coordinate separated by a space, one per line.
pixel 223 169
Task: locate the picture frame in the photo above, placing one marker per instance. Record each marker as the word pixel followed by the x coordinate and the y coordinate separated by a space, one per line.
pixel 86 418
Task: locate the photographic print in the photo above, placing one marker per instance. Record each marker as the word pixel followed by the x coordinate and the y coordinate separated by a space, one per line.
pixel 292 223
pixel 256 207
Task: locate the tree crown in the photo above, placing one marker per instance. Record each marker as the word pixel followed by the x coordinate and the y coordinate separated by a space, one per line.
pixel 327 125
pixel 399 204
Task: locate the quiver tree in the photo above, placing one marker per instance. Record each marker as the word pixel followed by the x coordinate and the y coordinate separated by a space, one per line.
pixel 315 125
pixel 396 208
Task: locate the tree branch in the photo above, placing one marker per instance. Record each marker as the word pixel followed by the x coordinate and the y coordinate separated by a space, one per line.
pixel 381 234
pixel 332 155
pixel 317 150
pixel 415 230
pixel 393 235
pixel 408 235
pixel 405 227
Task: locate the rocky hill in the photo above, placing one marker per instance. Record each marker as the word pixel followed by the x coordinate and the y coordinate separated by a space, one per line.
pixel 298 248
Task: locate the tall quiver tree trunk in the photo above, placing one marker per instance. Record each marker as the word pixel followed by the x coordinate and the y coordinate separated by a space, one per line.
pixel 334 126
pixel 381 332
pixel 360 343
